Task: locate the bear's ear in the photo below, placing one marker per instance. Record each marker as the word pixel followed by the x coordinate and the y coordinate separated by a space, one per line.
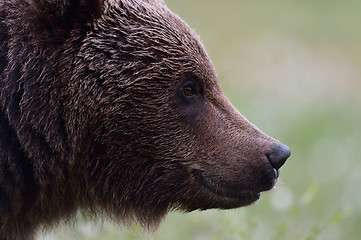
pixel 65 12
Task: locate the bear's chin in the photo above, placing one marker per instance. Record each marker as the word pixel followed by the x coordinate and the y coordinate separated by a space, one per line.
pixel 218 201
pixel 226 196
pixel 226 202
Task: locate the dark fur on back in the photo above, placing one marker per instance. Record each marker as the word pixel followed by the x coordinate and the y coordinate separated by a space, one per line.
pixel 93 116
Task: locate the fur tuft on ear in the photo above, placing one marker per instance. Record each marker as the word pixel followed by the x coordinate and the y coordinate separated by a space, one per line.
pixel 65 12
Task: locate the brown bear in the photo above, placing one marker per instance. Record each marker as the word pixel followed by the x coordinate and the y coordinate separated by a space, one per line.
pixel 112 107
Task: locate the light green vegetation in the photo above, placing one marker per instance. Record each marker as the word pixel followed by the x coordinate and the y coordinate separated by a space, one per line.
pixel 294 69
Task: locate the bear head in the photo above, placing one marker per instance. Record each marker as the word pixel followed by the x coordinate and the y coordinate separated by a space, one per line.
pixel 145 127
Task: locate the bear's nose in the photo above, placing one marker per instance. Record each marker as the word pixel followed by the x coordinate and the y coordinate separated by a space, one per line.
pixel 279 155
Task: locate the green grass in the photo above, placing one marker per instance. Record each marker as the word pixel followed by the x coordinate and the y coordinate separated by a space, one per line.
pixel 294 69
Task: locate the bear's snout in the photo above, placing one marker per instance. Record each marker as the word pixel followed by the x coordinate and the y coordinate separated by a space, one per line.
pixel 279 155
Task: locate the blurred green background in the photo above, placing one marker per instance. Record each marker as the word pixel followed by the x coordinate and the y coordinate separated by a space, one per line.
pixel 294 69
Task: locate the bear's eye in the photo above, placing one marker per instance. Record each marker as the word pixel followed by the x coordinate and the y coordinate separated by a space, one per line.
pixel 188 91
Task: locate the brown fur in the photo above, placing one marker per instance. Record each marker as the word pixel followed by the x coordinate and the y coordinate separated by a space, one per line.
pixel 94 117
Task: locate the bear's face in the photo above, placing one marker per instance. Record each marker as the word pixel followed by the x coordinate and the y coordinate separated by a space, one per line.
pixel 163 134
pixel 132 120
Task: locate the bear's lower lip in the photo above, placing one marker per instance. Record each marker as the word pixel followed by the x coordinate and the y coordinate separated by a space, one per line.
pixel 225 191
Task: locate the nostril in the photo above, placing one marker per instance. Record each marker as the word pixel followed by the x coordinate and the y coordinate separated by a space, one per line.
pixel 279 155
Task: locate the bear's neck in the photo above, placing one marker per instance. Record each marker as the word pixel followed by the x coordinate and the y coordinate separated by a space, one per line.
pixel 34 139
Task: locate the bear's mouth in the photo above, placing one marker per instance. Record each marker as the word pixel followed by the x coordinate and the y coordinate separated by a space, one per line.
pixel 226 191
